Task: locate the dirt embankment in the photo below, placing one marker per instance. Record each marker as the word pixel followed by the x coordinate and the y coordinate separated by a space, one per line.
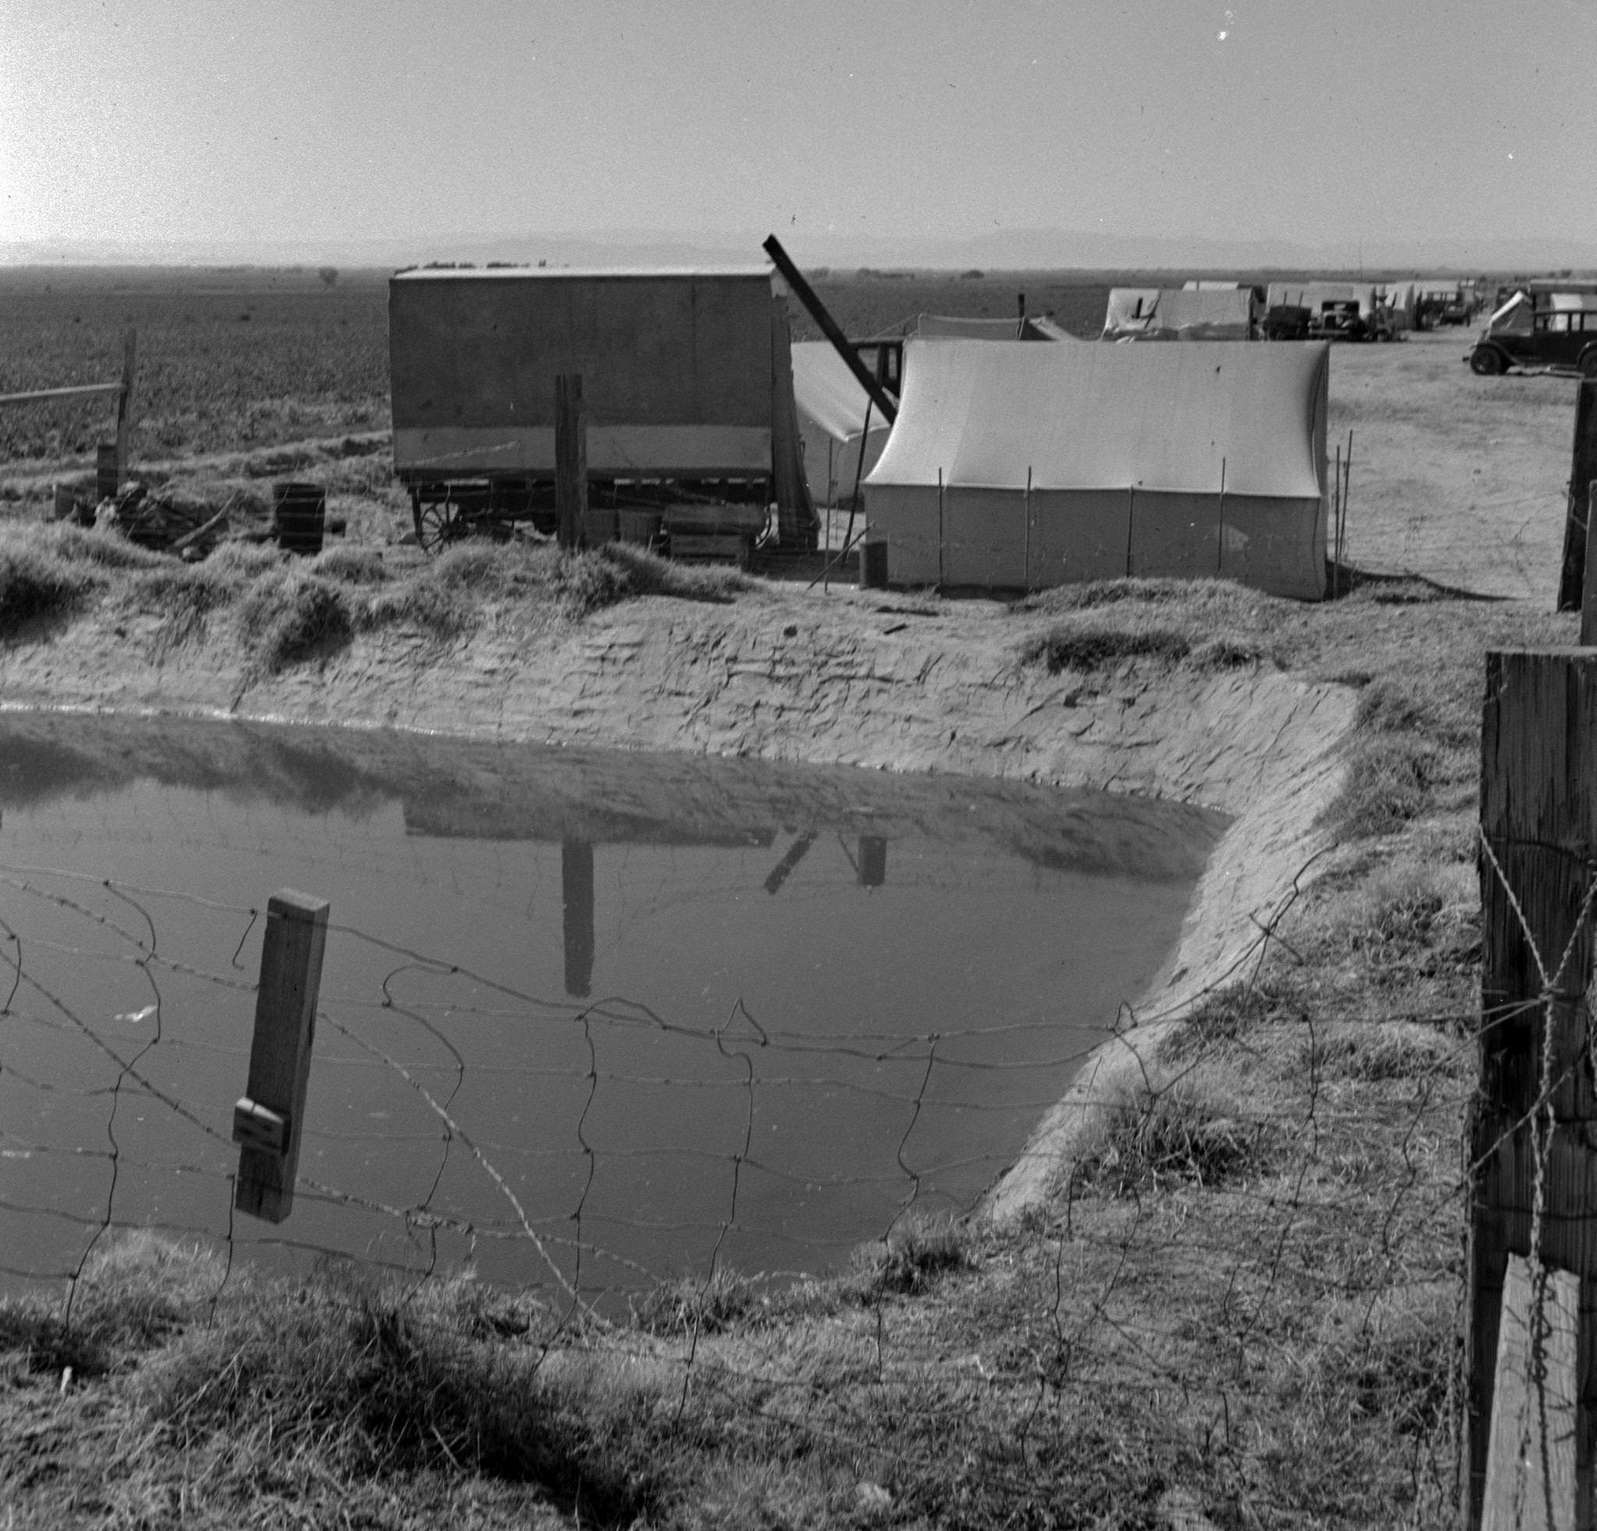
pixel 840 677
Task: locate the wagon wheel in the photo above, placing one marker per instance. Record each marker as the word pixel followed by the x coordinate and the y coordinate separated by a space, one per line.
pixel 437 524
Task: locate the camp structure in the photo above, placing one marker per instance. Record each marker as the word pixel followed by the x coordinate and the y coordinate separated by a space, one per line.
pixel 842 433
pixel 1023 467
pixel 1129 311
pixel 1400 299
pixel 687 389
pixel 1181 313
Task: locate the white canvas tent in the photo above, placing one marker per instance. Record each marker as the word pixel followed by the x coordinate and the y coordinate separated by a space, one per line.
pixel 1180 313
pixel 1021 467
pixel 1400 300
pixel 834 412
pixel 1129 310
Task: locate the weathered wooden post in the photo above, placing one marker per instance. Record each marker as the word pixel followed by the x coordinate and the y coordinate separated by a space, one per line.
pixel 1582 471
pixel 268 1120
pixel 124 405
pixel 1588 594
pixel 1533 1190
pixel 571 461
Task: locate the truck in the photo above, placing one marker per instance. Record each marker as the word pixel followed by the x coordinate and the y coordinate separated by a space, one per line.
pixel 686 386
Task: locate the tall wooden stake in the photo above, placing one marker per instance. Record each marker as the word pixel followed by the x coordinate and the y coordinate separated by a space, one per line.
pixel 124 404
pixel 268 1120
pixel 1534 1167
pixel 571 461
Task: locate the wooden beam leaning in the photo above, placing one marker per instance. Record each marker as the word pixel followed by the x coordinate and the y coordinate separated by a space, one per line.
pixel 268 1120
pixel 1533 1190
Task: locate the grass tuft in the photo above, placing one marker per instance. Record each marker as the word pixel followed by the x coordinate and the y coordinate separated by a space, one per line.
pixel 911 1259
pixel 1185 1132
pixel 288 617
pixel 371 1385
pixel 1092 647
pixel 38 583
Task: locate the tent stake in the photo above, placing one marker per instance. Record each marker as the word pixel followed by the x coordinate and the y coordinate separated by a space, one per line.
pixel 1219 552
pixel 939 531
pixel 1027 568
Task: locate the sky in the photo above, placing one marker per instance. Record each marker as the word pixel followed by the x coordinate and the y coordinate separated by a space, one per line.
pixel 1331 122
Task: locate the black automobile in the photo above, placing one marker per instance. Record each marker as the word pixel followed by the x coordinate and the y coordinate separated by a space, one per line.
pixel 1544 328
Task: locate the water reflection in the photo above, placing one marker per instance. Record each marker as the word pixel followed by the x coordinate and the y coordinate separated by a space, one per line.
pixel 642 1008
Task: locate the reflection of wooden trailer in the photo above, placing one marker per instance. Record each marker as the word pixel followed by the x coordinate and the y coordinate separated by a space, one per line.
pixel 687 392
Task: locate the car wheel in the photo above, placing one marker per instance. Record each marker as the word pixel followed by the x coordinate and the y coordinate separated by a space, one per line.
pixel 1486 361
pixel 1588 363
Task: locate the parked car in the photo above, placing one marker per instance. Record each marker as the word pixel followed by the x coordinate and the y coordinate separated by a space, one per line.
pixel 1547 326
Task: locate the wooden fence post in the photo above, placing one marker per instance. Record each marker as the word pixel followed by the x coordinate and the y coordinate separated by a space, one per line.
pixel 1582 472
pixel 1588 595
pixel 124 405
pixel 571 460
pixel 267 1121
pixel 1533 1187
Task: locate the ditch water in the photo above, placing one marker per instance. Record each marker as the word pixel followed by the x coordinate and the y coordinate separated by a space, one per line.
pixel 585 1019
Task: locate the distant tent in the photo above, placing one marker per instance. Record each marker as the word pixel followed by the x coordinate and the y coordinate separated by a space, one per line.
pixel 1183 313
pixel 950 327
pixel 1400 298
pixel 1129 310
pixel 1022 467
pixel 834 411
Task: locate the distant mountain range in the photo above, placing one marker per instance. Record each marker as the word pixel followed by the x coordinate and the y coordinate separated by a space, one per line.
pixel 1011 250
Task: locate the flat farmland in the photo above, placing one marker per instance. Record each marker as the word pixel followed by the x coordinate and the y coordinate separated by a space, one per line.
pixel 227 360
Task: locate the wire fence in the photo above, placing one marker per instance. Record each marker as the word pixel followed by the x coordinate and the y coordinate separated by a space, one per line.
pixel 601 1153
pixel 597 1145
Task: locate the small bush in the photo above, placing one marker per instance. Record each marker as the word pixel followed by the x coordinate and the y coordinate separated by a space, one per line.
pixel 291 617
pixel 1388 785
pixel 911 1259
pixel 375 1386
pixel 693 1304
pixel 183 595
pixel 36 583
pixel 1091 647
pixel 1180 1133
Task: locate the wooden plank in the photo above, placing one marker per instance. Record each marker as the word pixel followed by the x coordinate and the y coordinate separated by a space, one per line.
pixel 1530 1470
pixel 1535 1176
pixel 571 461
pixel 39 395
pixel 272 1111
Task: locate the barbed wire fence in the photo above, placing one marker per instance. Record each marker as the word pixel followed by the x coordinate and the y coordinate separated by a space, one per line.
pixel 118 1125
